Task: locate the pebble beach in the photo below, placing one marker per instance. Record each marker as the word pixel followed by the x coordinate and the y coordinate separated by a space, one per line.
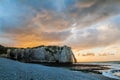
pixel 14 70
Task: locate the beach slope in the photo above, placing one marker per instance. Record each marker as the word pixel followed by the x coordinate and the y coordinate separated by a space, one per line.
pixel 14 70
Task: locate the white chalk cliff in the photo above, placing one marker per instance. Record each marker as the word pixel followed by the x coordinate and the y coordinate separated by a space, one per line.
pixel 62 54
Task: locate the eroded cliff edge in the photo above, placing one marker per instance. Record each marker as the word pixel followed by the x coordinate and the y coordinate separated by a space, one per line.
pixel 54 54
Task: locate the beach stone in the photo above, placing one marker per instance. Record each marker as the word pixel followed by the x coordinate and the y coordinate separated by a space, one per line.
pixel 14 70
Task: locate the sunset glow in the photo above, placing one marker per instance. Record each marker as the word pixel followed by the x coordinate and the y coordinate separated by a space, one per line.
pixel 90 27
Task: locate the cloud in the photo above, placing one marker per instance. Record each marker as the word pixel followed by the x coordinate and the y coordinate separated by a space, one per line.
pixel 78 23
pixel 106 54
pixel 50 21
pixel 90 12
pixel 88 54
pixel 102 34
pixel 37 32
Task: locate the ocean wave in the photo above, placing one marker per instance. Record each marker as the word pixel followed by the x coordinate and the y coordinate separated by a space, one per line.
pixel 112 73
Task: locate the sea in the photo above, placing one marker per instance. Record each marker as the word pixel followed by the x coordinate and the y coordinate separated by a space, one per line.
pixel 109 69
pixel 112 72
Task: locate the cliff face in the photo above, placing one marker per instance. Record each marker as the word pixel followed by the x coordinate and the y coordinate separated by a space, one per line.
pixel 3 50
pixel 57 54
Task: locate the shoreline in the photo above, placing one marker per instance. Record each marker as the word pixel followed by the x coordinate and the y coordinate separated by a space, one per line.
pixel 14 70
pixel 102 69
pixel 76 67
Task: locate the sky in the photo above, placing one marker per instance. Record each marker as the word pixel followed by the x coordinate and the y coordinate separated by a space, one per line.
pixel 90 27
